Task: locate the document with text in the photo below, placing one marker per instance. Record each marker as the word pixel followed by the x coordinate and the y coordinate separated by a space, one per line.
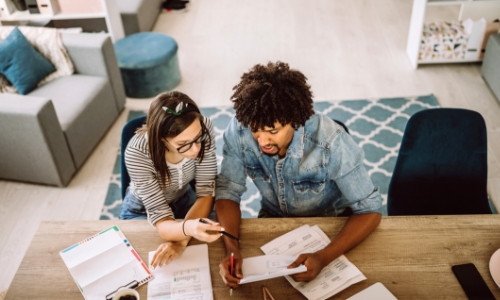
pixel 185 278
pixel 268 266
pixel 335 277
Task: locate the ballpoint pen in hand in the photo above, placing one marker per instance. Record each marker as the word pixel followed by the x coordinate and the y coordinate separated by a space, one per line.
pixel 232 271
pixel 223 232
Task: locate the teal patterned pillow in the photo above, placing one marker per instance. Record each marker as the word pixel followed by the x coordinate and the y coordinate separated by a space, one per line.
pixel 21 64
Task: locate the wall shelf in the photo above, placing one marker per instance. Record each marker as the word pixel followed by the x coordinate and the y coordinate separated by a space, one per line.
pixel 111 14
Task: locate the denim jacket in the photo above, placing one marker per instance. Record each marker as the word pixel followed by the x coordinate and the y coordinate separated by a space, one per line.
pixel 321 174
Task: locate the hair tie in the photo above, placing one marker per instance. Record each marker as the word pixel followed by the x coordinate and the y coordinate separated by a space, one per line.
pixel 178 109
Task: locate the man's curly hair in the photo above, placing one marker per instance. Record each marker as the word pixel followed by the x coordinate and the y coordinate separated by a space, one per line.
pixel 272 93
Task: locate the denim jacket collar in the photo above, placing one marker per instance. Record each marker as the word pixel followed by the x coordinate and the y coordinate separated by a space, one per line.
pixel 296 147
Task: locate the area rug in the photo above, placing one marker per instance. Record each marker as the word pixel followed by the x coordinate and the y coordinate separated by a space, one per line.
pixel 377 126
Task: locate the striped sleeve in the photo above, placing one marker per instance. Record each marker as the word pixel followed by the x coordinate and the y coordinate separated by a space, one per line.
pixel 143 174
pixel 206 171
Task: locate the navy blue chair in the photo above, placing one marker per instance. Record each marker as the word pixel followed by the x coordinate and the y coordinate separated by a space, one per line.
pixel 127 133
pixel 442 165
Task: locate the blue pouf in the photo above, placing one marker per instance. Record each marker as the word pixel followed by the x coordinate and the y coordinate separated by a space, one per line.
pixel 148 64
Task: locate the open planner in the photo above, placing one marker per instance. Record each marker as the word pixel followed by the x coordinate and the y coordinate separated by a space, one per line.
pixel 104 263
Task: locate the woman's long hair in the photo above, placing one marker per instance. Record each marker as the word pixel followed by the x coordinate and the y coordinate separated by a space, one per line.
pixel 156 130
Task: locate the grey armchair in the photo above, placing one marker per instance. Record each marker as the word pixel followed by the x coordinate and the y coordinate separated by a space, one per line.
pixel 48 134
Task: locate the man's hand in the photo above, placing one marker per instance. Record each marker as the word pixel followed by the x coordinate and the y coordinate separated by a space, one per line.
pixel 225 270
pixel 313 263
pixel 167 252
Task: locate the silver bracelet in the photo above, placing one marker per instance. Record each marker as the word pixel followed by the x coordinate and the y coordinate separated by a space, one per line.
pixel 183 228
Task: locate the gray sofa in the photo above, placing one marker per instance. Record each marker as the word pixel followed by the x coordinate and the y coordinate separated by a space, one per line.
pixel 491 64
pixel 48 134
pixel 139 15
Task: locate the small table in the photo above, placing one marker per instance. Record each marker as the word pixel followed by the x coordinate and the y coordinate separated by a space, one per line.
pixel 411 256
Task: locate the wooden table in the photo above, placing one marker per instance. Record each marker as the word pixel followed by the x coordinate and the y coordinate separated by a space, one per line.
pixel 411 256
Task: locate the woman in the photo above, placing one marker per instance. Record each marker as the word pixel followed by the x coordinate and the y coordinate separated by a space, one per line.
pixel 174 149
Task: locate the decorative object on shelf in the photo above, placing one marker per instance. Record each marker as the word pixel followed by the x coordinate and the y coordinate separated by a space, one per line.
pixel 32 6
pixel 20 5
pixel 6 8
pixel 148 63
pixel 475 30
pixel 48 7
pixel 443 40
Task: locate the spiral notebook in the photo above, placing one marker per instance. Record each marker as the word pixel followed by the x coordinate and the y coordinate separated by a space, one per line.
pixel 104 263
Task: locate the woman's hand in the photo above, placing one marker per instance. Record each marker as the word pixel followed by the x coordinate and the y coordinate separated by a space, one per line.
pixel 198 230
pixel 167 252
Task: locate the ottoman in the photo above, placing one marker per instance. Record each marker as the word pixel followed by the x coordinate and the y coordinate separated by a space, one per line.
pixel 491 64
pixel 148 64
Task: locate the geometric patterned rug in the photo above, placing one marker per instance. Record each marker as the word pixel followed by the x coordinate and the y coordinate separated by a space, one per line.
pixel 376 125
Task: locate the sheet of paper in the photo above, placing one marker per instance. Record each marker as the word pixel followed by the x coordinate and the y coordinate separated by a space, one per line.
pixel 185 278
pixel 268 266
pixel 376 291
pixel 335 277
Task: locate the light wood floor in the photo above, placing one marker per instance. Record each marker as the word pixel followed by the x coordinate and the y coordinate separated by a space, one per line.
pixel 348 49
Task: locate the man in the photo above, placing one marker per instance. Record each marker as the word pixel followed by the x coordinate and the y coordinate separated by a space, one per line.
pixel 303 163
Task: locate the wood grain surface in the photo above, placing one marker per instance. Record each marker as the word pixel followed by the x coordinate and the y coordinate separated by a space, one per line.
pixel 411 256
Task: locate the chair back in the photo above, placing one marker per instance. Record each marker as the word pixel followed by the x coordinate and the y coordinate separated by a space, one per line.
pixel 442 165
pixel 127 133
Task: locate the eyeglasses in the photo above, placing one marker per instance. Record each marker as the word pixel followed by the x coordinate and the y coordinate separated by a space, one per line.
pixel 184 148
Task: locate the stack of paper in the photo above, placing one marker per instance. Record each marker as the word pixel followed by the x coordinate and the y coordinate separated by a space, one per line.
pixel 186 277
pixel 335 277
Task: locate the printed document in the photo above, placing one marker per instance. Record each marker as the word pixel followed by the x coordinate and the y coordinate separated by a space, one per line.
pixel 268 266
pixel 185 278
pixel 335 277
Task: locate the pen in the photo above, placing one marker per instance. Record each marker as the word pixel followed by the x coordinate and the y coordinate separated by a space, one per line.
pixel 223 232
pixel 232 272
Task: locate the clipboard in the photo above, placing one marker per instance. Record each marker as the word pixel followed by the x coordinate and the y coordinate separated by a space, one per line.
pixel 104 263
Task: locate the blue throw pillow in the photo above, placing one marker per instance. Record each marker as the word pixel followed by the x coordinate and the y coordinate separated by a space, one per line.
pixel 21 64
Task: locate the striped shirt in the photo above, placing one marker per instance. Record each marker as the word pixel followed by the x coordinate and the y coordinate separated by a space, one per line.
pixel 145 180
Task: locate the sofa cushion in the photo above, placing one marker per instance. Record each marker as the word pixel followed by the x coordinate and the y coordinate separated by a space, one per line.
pixel 48 42
pixel 85 107
pixel 21 64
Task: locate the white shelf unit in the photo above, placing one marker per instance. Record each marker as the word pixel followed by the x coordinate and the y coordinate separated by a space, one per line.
pixel 474 9
pixel 111 14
